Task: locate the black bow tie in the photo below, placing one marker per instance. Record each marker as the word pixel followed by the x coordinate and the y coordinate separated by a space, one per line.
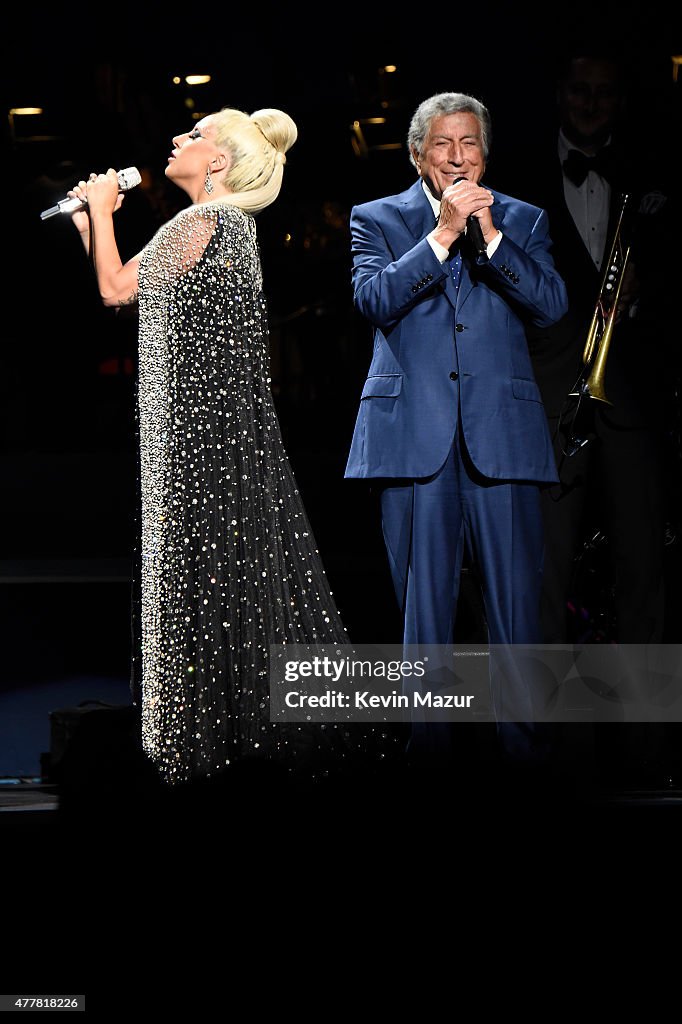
pixel 577 166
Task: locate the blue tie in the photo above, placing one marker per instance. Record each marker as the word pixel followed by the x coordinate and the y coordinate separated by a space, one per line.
pixel 456 268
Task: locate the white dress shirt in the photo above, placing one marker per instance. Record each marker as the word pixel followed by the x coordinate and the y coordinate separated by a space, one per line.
pixel 588 205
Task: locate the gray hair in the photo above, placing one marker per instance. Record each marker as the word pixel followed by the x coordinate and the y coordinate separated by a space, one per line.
pixel 441 104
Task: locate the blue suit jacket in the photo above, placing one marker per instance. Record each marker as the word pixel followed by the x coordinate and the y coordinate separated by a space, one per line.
pixel 427 330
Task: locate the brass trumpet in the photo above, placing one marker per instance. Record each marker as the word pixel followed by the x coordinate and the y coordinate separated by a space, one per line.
pixel 590 383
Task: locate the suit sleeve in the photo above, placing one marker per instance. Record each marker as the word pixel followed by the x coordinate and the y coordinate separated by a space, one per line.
pixel 528 276
pixel 385 288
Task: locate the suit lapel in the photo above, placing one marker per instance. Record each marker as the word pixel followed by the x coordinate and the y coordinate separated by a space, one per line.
pixel 416 211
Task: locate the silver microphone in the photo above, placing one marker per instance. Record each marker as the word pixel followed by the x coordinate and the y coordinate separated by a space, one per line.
pixel 128 178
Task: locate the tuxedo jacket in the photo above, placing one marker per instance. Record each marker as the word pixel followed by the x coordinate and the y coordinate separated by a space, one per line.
pixel 439 349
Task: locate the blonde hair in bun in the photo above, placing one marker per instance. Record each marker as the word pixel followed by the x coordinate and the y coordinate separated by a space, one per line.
pixel 256 144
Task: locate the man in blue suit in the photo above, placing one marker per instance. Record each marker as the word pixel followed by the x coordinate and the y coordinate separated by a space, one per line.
pixel 451 421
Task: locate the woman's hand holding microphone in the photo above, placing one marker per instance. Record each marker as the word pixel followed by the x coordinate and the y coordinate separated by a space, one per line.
pixel 100 194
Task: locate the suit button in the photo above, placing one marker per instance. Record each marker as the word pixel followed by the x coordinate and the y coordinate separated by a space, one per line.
pixel 459 327
pixel 454 375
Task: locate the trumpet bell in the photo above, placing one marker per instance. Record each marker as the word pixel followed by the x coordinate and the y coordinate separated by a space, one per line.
pixel 592 387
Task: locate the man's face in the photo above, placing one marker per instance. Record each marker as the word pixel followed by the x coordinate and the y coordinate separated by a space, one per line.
pixel 452 149
pixel 589 102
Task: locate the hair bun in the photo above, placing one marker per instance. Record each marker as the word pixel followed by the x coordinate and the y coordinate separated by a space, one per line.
pixel 278 128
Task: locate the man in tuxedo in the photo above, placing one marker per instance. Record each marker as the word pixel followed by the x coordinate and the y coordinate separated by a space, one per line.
pixel 616 474
pixel 451 424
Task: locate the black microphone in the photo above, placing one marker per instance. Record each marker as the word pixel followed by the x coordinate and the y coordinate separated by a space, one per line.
pixel 127 178
pixel 474 233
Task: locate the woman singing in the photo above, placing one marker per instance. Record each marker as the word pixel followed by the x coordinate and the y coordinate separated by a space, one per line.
pixel 228 560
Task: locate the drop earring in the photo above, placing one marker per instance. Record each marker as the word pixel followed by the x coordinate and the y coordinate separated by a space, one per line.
pixel 208 182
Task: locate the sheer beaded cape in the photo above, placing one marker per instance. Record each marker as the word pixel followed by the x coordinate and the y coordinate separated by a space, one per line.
pixel 228 560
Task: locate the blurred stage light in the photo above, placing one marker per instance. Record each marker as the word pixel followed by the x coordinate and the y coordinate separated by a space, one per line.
pixel 197 79
pixel 364 141
pixel 25 133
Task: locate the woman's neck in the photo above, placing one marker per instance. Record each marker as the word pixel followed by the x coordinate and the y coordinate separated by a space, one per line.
pixel 200 195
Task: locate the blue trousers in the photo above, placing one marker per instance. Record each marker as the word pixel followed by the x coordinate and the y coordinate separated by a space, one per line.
pixel 427 525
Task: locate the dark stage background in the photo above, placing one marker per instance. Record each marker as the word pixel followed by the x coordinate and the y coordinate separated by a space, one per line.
pixel 67 446
pixel 133 911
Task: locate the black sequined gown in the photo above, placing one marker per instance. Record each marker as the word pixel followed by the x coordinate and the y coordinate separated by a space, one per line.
pixel 228 560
